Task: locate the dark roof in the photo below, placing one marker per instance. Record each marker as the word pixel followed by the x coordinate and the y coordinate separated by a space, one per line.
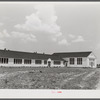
pixel 27 55
pixel 73 54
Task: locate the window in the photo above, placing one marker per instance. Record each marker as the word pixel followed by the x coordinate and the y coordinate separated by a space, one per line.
pixel 45 61
pixel 79 61
pixel 38 61
pixel 71 60
pixel 27 61
pixel 4 60
pixel 17 61
pixel 57 62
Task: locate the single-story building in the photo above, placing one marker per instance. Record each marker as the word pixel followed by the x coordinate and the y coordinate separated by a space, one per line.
pixel 78 59
pixel 9 58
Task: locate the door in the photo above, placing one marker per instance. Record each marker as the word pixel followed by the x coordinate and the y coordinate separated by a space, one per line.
pixel 92 64
pixel 49 64
pixel 66 64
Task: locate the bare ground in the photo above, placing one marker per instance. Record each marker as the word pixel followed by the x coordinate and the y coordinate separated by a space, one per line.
pixel 49 78
pixel 98 84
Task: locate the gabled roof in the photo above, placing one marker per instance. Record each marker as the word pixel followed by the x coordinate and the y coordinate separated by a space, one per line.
pixel 72 54
pixel 27 55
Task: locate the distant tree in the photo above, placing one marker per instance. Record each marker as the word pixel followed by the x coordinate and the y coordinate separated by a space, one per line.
pixel 98 65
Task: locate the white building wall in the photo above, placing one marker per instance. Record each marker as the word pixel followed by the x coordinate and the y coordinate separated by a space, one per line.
pixel 51 63
pixel 62 64
pixel 88 63
pixel 38 65
pixel 11 64
pixel 54 65
pixel 95 63
pixel 92 56
pixel 84 62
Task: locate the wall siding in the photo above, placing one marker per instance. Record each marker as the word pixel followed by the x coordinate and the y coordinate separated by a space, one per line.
pixel 89 64
pixel 93 57
pixel 84 62
pixel 11 64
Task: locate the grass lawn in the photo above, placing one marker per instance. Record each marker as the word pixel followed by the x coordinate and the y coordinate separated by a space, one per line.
pixel 49 78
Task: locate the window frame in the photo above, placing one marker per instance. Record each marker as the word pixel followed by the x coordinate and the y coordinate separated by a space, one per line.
pixel 56 62
pixel 17 61
pixel 38 60
pixel 45 62
pixel 79 61
pixel 4 60
pixel 72 61
pixel 27 61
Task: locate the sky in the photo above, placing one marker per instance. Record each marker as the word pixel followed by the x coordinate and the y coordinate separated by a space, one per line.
pixel 48 27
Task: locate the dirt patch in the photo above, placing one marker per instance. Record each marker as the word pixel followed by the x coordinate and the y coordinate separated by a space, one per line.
pixel 45 79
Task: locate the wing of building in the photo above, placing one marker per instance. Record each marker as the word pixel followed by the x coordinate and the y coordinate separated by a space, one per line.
pixel 9 58
pixel 78 59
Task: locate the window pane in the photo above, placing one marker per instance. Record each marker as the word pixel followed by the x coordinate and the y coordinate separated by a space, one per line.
pixel 38 61
pixel 45 61
pixel 57 62
pixel 27 61
pixel 4 60
pixel 79 61
pixel 71 60
pixel 7 60
pixel 17 61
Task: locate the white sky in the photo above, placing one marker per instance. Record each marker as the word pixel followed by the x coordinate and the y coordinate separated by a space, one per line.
pixel 50 27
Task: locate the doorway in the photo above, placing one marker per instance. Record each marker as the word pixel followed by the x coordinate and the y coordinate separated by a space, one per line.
pixel 65 64
pixel 92 64
pixel 49 63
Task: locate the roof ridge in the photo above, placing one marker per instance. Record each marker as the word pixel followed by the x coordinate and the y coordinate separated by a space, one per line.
pixel 24 52
pixel 74 52
pixel 27 55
